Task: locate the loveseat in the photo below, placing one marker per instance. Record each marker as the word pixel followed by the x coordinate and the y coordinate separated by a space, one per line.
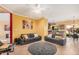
pixel 27 38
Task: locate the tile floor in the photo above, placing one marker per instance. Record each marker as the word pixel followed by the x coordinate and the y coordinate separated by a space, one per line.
pixel 71 48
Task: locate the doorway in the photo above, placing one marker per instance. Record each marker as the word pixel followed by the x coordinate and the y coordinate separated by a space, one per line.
pixel 5 27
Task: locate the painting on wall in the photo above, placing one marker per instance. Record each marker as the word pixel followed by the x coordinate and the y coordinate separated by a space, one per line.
pixel 27 25
pixel 6 27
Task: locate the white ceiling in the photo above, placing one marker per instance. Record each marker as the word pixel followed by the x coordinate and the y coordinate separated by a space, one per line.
pixel 53 12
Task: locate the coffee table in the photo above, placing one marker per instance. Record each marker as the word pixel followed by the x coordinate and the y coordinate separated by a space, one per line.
pixel 42 48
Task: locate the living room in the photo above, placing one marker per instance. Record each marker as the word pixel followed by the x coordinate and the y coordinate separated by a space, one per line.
pixel 37 29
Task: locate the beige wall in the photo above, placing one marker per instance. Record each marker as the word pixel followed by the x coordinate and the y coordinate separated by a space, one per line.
pixel 39 26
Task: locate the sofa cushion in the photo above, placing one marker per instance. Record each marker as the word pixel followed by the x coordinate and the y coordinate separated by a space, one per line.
pixel 51 36
pixel 30 35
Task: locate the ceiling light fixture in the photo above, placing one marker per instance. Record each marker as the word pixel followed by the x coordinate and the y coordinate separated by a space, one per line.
pixel 32 10
pixel 37 9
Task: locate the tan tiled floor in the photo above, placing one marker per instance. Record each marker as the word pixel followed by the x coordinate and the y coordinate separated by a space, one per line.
pixel 71 48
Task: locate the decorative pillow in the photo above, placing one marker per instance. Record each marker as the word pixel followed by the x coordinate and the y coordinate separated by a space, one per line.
pixel 25 36
pixel 50 35
pixel 35 35
pixel 58 37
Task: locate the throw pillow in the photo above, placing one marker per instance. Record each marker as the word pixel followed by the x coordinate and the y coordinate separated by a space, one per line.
pixel 35 35
pixel 58 37
pixel 25 36
pixel 50 35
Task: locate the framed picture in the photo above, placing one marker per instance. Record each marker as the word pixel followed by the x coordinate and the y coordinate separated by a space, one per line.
pixel 26 25
pixel 6 27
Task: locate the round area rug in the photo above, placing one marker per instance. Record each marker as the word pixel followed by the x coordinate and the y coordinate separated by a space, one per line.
pixel 42 48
